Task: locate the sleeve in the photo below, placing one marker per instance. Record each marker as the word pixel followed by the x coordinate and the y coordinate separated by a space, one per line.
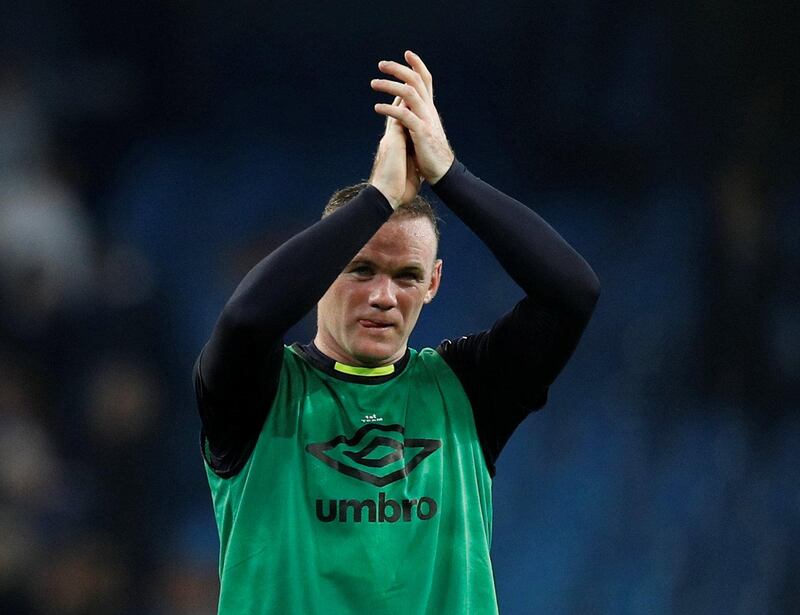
pixel 236 375
pixel 506 370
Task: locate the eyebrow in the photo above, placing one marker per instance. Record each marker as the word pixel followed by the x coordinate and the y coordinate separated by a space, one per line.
pixel 359 261
pixel 412 267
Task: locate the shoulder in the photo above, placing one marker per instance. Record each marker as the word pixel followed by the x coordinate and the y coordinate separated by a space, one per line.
pixel 433 364
pixel 429 358
pixel 426 354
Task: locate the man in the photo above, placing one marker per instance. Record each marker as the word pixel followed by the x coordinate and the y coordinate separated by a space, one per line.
pixel 353 474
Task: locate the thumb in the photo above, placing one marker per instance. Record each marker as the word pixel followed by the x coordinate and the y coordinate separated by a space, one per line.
pixel 391 123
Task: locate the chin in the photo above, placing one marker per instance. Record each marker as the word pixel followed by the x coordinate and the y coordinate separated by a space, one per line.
pixel 375 354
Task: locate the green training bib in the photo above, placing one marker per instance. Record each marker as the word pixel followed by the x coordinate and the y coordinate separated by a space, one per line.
pixel 359 498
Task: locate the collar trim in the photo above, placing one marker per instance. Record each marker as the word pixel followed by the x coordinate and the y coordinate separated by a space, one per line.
pixel 351 373
pixel 384 370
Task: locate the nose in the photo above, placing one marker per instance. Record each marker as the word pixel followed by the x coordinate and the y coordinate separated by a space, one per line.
pixel 382 294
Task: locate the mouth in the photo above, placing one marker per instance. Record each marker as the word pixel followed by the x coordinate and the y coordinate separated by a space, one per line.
pixel 374 324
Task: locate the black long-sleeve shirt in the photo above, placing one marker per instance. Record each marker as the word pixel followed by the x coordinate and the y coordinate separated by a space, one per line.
pixel 505 370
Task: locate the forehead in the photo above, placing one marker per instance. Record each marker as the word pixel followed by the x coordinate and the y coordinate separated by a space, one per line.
pixel 402 240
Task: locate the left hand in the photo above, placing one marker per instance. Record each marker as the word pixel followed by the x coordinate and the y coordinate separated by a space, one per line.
pixel 417 114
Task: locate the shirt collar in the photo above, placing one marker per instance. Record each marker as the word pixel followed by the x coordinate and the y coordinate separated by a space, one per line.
pixel 351 373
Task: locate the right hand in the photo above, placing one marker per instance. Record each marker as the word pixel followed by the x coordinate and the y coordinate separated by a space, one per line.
pixel 394 171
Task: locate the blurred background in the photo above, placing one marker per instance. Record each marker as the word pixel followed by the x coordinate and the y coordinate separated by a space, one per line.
pixel 151 152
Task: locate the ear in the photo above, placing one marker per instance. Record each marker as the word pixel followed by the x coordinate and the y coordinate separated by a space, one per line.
pixel 436 278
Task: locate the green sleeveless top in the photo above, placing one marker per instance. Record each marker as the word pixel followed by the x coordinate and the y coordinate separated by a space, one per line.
pixel 359 498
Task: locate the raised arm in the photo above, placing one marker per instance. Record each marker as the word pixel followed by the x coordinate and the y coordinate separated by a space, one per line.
pixel 506 370
pixel 236 375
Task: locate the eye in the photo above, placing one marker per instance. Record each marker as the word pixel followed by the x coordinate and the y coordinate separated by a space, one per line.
pixel 361 270
pixel 410 276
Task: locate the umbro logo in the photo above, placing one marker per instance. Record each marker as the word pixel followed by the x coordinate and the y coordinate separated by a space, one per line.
pixel 378 454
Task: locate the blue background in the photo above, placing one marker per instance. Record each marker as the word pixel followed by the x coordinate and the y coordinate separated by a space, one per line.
pixel 151 152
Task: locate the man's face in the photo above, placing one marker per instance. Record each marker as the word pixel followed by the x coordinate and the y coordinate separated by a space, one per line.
pixel 367 314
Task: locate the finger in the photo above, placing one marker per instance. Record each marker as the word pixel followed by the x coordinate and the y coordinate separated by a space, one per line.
pixel 403 115
pixel 406 92
pixel 415 62
pixel 405 74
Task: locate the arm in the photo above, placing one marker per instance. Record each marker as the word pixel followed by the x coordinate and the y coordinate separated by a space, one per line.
pixel 511 365
pixel 237 373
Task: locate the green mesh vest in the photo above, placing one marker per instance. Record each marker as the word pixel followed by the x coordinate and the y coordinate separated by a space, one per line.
pixel 359 498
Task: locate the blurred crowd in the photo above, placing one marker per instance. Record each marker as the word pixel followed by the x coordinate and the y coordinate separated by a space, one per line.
pixel 84 512
pixel 143 170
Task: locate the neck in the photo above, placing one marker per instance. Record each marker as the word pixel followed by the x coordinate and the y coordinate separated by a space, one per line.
pixel 334 352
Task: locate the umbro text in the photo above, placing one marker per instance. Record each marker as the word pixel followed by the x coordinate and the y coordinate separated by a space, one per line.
pixel 381 511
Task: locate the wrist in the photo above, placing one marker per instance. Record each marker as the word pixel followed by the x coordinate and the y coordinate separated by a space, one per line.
pixel 441 170
pixel 393 201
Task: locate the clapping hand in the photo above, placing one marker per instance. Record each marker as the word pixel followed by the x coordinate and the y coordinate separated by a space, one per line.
pixel 416 113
